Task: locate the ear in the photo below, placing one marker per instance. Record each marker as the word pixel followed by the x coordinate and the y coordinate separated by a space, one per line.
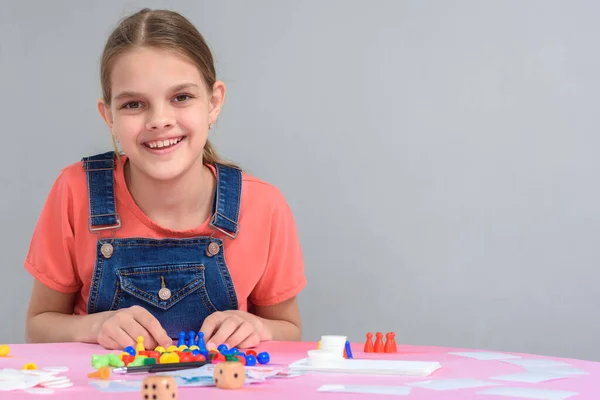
pixel 216 101
pixel 105 112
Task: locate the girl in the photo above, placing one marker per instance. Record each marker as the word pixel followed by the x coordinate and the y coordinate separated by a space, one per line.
pixel 165 237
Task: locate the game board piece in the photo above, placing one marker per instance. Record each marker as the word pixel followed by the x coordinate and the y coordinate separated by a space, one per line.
pixel 348 350
pixel 378 346
pixel 159 387
pixel 191 338
pixel 4 350
pixel 394 346
pixel 200 343
pixel 29 366
pixel 250 360
pixel 263 358
pixel 101 373
pixel 369 343
pixel 229 375
pixel 389 343
pixel 140 344
pixel 181 340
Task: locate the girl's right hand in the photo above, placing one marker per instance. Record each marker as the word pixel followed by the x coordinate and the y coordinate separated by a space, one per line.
pixel 122 327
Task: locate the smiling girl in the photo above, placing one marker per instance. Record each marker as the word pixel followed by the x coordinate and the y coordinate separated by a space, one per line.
pixel 162 236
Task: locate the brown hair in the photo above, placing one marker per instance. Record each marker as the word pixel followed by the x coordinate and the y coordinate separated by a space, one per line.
pixel 162 29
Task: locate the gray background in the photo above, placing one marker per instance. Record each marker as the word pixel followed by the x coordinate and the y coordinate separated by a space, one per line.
pixel 439 156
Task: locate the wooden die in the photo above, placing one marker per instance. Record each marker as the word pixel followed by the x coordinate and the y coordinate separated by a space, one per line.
pixel 229 375
pixel 159 388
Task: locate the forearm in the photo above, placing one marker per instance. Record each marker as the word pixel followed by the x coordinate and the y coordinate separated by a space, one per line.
pixel 283 330
pixel 54 327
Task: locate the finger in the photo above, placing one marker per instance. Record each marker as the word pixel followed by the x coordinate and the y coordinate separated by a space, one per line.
pixel 243 331
pixel 122 338
pixel 152 326
pixel 211 323
pixel 134 329
pixel 250 342
pixel 225 330
pixel 108 343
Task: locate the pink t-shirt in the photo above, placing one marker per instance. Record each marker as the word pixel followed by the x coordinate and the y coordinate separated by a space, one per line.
pixel 265 260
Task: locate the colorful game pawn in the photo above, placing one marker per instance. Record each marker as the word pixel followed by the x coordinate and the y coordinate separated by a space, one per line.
pixel 191 338
pixel 348 350
pixel 389 343
pixel 369 343
pixel 378 346
pixel 181 341
pixel 140 344
pixel 200 343
pixel 394 346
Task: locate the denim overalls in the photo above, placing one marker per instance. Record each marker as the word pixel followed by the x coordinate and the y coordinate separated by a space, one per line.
pixel 179 281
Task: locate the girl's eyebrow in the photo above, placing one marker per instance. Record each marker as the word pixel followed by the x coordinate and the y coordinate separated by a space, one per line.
pixel 176 88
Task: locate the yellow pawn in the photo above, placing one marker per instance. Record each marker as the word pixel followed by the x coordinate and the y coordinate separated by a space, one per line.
pixel 167 358
pixel 160 349
pixel 29 366
pixel 182 347
pixel 172 348
pixel 140 344
pixel 4 350
pixel 194 347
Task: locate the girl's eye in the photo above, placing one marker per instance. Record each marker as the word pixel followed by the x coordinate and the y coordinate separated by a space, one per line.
pixel 132 105
pixel 182 97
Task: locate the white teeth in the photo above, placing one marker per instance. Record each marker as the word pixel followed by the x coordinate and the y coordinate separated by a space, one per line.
pixel 163 143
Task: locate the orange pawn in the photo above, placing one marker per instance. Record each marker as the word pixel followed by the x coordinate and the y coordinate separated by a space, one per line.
pixel 369 343
pixel 378 347
pixel 390 343
pixel 394 347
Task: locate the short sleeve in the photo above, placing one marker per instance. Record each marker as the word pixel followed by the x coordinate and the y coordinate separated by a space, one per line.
pixel 51 250
pixel 283 276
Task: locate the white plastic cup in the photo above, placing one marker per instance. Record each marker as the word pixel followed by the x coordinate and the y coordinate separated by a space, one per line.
pixel 334 344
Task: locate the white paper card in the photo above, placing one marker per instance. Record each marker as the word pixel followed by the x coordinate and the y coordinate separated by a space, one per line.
pixel 368 389
pixel 529 377
pixel 537 363
pixel 484 355
pixel 559 370
pixel 528 393
pixel 451 384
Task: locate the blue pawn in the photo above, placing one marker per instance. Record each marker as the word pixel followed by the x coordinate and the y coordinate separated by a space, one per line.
pixel 222 348
pixel 201 345
pixel 263 357
pixel 181 341
pixel 348 349
pixel 250 360
pixel 191 338
pixel 196 352
pixel 130 350
pixel 234 350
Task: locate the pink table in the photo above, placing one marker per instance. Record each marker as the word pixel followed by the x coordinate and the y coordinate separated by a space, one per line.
pixel 78 356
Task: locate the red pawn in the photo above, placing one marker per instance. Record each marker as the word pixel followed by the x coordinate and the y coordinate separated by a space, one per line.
pixel 394 347
pixel 378 347
pixel 390 343
pixel 369 343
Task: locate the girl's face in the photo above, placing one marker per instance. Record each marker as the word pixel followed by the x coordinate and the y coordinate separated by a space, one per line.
pixel 160 111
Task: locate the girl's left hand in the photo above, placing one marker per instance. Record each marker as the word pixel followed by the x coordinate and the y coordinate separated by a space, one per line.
pixel 234 328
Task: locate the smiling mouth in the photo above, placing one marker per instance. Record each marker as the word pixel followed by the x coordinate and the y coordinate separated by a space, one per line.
pixel 161 144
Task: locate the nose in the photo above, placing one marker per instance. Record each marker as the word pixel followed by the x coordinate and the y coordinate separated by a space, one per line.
pixel 160 119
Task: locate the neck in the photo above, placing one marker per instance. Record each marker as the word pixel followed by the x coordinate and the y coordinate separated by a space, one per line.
pixel 180 204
